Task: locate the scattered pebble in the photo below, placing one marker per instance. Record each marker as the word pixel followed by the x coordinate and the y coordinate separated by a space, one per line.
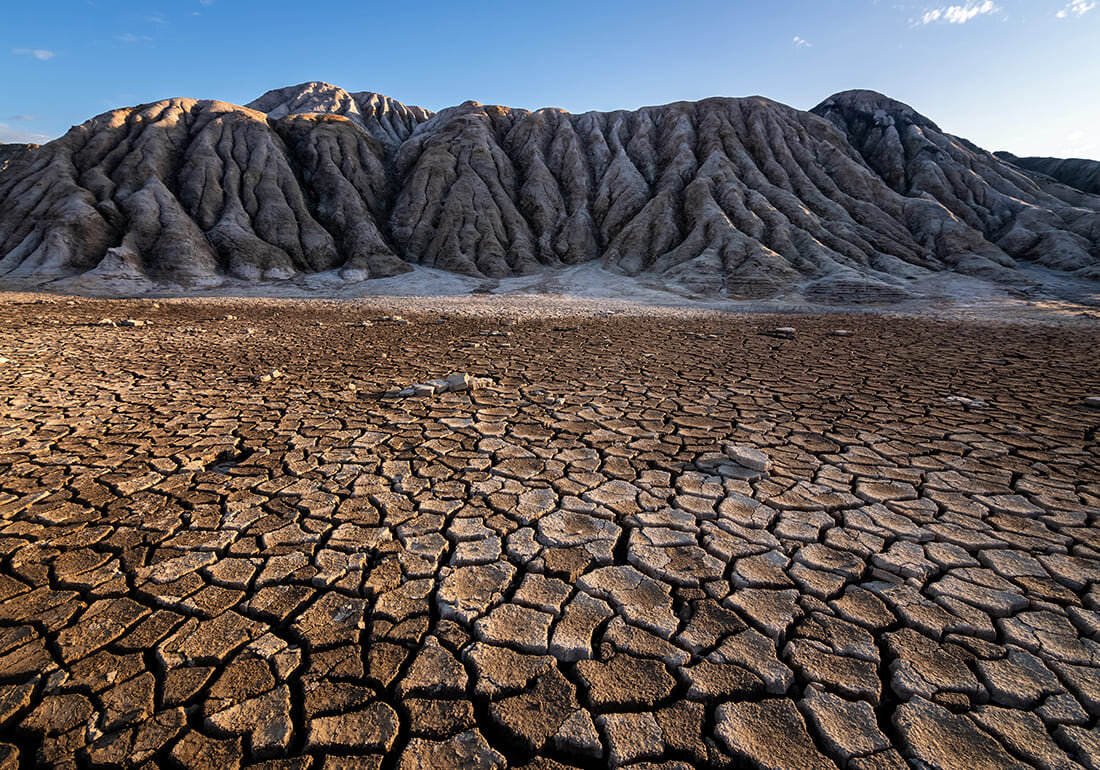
pixel 228 317
pixel 782 331
pixel 842 333
pixel 1093 401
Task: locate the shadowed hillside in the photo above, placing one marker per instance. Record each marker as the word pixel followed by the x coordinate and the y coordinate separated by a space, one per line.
pixel 1076 172
pixel 735 197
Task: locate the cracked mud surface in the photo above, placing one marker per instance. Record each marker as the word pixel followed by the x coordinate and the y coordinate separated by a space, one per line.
pixel 565 569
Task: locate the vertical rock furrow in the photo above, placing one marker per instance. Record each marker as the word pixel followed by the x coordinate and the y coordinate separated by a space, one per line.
pixel 744 197
pixel 343 173
pixel 1002 215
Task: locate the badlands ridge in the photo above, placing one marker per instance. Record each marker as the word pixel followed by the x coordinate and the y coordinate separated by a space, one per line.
pixel 854 200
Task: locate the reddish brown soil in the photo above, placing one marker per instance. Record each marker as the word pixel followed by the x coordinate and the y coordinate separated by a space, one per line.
pixel 202 567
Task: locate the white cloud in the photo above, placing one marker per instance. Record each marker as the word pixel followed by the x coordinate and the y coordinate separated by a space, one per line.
pixel 130 37
pixel 959 14
pixel 22 117
pixel 39 53
pixel 9 134
pixel 801 43
pixel 1076 8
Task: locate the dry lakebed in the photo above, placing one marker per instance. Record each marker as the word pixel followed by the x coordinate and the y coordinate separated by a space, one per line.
pixel 255 533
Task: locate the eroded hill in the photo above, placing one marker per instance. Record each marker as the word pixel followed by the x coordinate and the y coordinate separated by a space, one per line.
pixel 11 151
pixel 1075 172
pixel 735 197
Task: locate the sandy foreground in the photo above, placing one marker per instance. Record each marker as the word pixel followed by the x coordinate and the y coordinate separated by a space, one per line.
pixel 662 536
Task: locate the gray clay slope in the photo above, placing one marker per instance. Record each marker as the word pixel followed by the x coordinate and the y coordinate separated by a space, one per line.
pixel 1076 172
pixel 728 197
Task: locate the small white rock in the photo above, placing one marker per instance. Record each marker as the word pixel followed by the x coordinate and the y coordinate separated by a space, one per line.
pixel 969 403
pixel 269 376
pixel 1093 401
pixel 748 457
pixel 458 382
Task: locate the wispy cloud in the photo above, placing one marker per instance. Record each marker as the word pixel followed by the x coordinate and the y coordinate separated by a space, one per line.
pixel 41 54
pixel 959 14
pixel 1079 144
pixel 1076 8
pixel 802 43
pixel 9 134
pixel 131 38
pixel 158 19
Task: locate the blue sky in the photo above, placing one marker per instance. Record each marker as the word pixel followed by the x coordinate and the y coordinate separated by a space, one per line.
pixel 1022 75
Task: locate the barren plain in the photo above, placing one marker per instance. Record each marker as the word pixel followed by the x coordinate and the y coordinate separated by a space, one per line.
pixel 660 538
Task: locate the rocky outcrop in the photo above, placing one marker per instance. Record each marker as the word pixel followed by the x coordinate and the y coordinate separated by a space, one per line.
pixel 9 152
pixel 998 213
pixel 1075 172
pixel 736 197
